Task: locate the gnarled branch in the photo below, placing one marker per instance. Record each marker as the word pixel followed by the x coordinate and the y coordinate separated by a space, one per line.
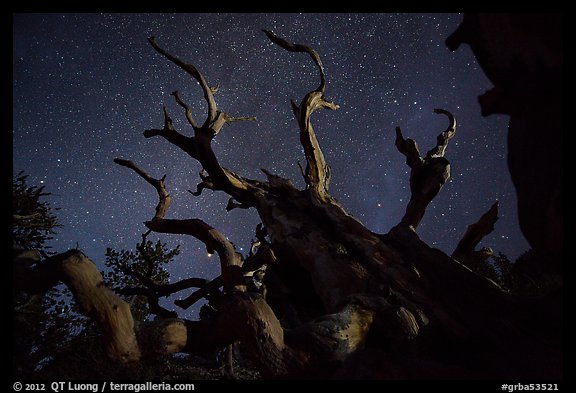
pixel 164 199
pixel 230 260
pixel 409 148
pixel 187 109
pixel 241 316
pixel 153 292
pixel 199 147
pixel 265 255
pixel 317 174
pixel 193 71
pixel 444 137
pixel 231 119
pixel 245 317
pixel 300 48
pixel 207 289
pixel 427 175
pixel 205 183
pixel 465 251
pixel 215 118
pixel 187 144
pixel 167 289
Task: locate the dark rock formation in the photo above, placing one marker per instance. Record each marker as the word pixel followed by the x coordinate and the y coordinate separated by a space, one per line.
pixel 522 54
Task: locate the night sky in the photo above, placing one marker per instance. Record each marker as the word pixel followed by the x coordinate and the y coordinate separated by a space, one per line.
pixel 85 87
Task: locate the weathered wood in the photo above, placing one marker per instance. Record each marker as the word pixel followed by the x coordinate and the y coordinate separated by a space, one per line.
pixel 317 175
pixel 93 298
pixel 427 175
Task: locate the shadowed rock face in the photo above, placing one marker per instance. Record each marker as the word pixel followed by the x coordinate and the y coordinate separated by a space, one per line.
pixel 522 54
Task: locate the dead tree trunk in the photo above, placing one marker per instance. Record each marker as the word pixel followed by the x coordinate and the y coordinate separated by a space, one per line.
pixel 427 175
pixel 340 300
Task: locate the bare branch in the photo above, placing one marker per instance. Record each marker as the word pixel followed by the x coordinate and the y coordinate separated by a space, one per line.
pixel 231 119
pixel 201 293
pixel 168 289
pixel 165 290
pixel 265 255
pixel 200 187
pixel 444 137
pixel 214 89
pixel 465 250
pixel 235 205
pixel 428 175
pixel 206 183
pixel 163 196
pixel 199 147
pixel 300 48
pixel 193 71
pixel 317 174
pixel 155 308
pixel 409 148
pixel 187 144
pixel 230 260
pixel 168 126
pixel 187 109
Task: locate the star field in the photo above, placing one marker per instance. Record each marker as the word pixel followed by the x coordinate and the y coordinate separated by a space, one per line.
pixel 85 87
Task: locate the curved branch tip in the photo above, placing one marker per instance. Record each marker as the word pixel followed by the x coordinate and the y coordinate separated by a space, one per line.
pixel 291 47
pixel 451 119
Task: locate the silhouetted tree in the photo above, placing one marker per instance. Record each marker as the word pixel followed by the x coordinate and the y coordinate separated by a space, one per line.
pixel 33 224
pixel 134 272
pixel 33 219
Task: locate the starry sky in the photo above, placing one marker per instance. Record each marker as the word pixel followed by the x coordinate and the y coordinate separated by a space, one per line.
pixel 85 87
